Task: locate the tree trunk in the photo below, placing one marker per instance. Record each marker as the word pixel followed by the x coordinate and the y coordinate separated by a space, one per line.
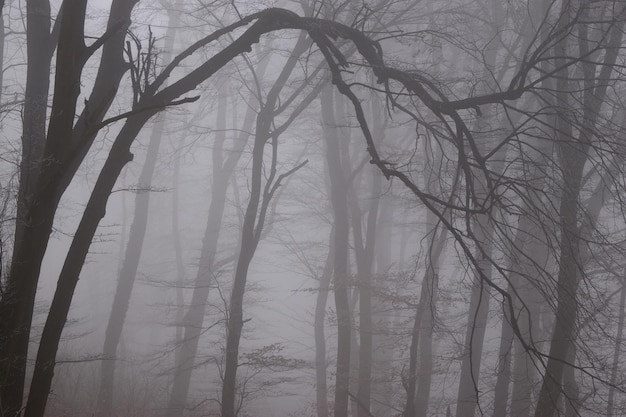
pixel 571 392
pixel 528 263
pixel 420 353
pixel 425 372
pixel 249 244
pixel 574 152
pixel 39 48
pixel 254 220
pixel 128 272
pixel 610 407
pixel 321 386
pixel 194 317
pixel 468 394
pixel 179 314
pixel 365 250
pixel 94 212
pixel 65 146
pixel 338 197
pixel 18 298
pixel 382 352
pixel 54 179
pixel 428 306
pixel 411 378
pixel 503 378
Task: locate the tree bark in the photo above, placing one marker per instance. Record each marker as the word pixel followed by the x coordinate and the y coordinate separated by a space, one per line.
pixel 528 262
pixel 179 314
pixel 94 212
pixel 365 250
pixel 610 403
pixel 39 48
pixel 321 386
pixel 574 152
pixel 338 198
pixel 18 298
pixel 428 307
pixel 419 375
pixel 65 147
pixel 503 378
pixel 382 352
pixel 467 399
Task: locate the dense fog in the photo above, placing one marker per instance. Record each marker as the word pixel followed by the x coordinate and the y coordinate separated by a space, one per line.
pixel 312 208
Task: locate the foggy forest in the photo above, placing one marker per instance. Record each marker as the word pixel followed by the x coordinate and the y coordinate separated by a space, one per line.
pixel 316 208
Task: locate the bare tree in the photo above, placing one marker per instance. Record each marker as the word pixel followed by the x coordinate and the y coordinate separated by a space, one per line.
pixel 256 211
pixel 68 138
pixel 341 227
pixel 130 264
pixel 574 152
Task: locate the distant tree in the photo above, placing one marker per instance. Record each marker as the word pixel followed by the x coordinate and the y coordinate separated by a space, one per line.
pixel 223 169
pixel 341 229
pixel 267 131
pixel 574 143
pixel 141 63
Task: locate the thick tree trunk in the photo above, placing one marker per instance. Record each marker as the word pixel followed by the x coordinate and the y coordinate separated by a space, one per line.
pixel 503 378
pixel 3 40
pixel 419 375
pixel 338 197
pixel 39 48
pixel 523 375
pixel 94 212
pixel 411 379
pixel 17 305
pixel 527 308
pixel 65 146
pixel 467 399
pixel 425 371
pixel 571 392
pixel 573 158
pixel 18 298
pixel 574 153
pixel 528 263
pixel 365 250
pixel 610 403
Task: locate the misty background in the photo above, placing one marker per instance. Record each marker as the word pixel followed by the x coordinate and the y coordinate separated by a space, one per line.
pixel 312 208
